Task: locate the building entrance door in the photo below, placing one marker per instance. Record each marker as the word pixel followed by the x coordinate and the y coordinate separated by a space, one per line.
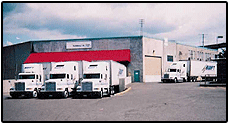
pixel 136 75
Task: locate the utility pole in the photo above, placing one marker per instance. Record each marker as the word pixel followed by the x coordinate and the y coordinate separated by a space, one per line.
pixel 141 30
pixel 202 39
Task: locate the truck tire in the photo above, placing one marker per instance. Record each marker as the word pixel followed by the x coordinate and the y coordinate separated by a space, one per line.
pixel 34 94
pixel 101 94
pixel 175 80
pixel 65 94
pixel 112 90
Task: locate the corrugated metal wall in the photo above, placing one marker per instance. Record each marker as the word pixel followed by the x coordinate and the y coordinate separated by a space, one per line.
pixel 13 57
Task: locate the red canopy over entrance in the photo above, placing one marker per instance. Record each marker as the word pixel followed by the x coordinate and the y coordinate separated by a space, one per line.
pixel 115 55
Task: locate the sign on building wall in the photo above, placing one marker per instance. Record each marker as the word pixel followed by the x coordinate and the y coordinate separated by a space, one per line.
pixel 78 45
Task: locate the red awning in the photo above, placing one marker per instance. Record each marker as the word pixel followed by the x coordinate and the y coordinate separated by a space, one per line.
pixel 115 55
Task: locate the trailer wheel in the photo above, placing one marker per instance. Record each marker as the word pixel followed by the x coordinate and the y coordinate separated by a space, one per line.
pixel 34 94
pixel 65 94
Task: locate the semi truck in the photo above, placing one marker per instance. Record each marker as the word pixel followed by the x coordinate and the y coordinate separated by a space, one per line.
pixel 63 78
pixel 101 78
pixel 30 79
pixel 190 70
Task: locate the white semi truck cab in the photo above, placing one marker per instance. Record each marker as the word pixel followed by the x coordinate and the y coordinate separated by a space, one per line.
pixel 101 78
pixel 190 70
pixel 30 80
pixel 62 80
pixel 177 71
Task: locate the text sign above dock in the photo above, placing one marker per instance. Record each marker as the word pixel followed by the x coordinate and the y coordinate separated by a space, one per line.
pixel 78 45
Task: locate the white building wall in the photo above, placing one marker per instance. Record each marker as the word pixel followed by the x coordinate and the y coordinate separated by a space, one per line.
pixel 153 48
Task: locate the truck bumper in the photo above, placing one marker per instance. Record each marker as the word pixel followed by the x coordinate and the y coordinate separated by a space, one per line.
pixel 21 93
pixel 51 94
pixel 167 80
pixel 87 93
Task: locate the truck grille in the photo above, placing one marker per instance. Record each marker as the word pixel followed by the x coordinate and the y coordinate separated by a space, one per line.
pixel 87 86
pixel 50 86
pixel 20 86
pixel 166 75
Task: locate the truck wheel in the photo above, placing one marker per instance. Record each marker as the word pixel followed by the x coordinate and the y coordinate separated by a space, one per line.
pixel 175 80
pixel 112 90
pixel 101 94
pixel 34 94
pixel 65 94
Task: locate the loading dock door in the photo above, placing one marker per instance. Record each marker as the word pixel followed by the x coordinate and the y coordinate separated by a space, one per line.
pixel 152 69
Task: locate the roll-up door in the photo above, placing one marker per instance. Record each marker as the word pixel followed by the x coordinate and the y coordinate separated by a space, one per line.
pixel 152 68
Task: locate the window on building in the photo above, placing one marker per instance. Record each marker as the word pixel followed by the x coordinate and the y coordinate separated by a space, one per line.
pixel 169 58
pixel 197 55
pixel 191 54
pixel 201 56
pixel 194 55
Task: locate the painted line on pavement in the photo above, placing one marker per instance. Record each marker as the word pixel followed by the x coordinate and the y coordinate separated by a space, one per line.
pixel 121 93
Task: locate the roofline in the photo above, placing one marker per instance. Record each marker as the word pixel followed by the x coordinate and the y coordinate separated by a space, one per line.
pixel 174 41
pixel 98 38
pixel 197 47
pixel 17 44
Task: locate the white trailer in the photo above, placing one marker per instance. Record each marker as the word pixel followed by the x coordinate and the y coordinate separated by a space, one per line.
pixel 63 77
pixel 30 80
pixel 101 78
pixel 190 71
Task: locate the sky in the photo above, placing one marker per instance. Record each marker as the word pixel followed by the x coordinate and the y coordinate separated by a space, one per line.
pixel 183 22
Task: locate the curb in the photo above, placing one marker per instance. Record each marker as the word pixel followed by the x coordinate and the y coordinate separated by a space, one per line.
pixel 121 93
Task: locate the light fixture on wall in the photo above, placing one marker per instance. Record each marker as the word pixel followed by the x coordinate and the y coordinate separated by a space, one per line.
pixel 153 51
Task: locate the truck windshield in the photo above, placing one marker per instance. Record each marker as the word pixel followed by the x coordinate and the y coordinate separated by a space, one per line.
pixel 57 76
pixel 91 76
pixel 172 70
pixel 26 76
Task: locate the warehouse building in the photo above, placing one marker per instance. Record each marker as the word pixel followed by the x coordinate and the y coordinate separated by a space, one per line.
pixel 146 58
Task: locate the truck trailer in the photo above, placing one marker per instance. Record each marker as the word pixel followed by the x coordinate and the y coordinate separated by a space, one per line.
pixel 30 80
pixel 63 78
pixel 190 70
pixel 101 78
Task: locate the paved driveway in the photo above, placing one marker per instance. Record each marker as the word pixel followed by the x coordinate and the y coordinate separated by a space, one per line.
pixel 144 102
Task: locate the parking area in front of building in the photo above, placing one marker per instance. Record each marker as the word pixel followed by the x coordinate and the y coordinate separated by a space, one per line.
pixel 144 102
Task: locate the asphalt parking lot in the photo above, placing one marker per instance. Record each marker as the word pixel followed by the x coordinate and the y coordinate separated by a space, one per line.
pixel 144 102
